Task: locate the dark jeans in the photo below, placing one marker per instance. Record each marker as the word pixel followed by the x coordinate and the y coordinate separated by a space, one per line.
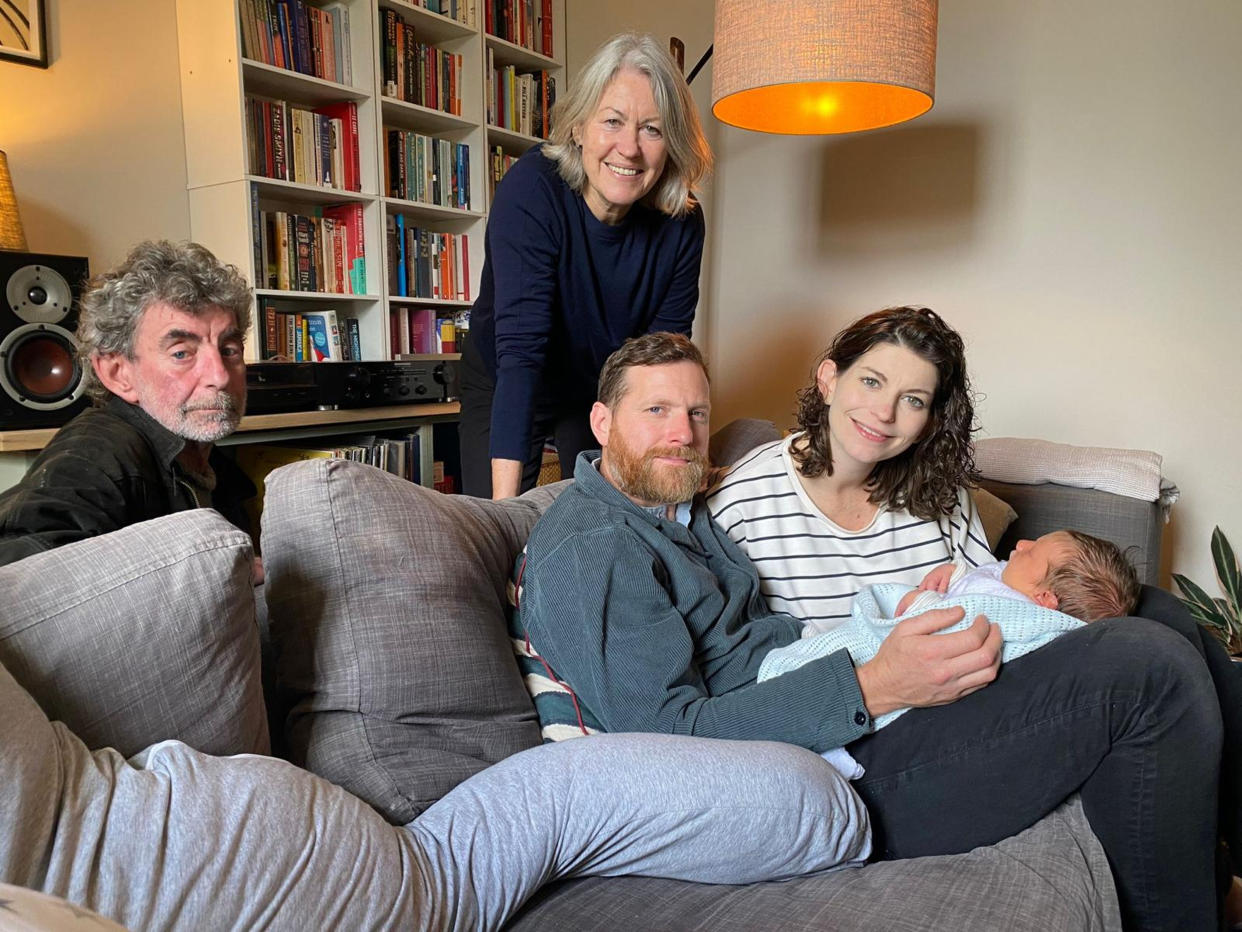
pixel 566 423
pixel 1124 712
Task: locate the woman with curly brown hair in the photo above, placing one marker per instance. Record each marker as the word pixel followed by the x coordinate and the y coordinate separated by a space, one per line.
pixel 874 486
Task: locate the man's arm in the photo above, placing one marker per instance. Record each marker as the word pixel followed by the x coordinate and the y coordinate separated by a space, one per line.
pixel 597 609
pixel 917 667
pixel 66 497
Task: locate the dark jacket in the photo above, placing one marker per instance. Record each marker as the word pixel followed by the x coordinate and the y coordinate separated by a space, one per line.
pixel 111 466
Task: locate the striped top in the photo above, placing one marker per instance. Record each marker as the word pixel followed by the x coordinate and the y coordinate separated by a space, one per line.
pixel 811 567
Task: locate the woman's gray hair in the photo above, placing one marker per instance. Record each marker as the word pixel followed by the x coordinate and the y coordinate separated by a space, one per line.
pixel 184 275
pixel 689 156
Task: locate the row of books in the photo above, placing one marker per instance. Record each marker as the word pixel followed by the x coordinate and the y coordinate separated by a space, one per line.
pixel 416 72
pixel 527 23
pixel 400 455
pixel 323 252
pixel 318 147
pixel 290 34
pixel 499 162
pixel 427 263
pixel 427 169
pixel 309 336
pixel 520 102
pixel 421 330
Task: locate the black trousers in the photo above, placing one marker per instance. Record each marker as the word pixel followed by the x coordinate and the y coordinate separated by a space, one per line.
pixel 564 421
pixel 1128 712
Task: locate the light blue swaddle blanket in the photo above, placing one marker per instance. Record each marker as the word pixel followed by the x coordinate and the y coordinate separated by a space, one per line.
pixel 1024 626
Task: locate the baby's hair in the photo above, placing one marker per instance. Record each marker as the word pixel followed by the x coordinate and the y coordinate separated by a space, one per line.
pixel 1096 582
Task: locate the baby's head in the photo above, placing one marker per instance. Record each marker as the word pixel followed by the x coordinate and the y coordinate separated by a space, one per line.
pixel 1074 573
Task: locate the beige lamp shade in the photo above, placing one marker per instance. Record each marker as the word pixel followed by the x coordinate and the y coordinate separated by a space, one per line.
pixel 823 66
pixel 12 236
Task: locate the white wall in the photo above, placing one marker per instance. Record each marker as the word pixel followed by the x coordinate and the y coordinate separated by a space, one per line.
pixel 94 141
pixel 1072 204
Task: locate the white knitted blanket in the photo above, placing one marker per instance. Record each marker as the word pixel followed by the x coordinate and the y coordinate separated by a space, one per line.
pixel 1134 473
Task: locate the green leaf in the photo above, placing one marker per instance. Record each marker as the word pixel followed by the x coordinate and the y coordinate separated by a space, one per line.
pixel 1227 571
pixel 1201 605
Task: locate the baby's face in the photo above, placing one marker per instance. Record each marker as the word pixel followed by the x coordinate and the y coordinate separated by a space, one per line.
pixel 1032 561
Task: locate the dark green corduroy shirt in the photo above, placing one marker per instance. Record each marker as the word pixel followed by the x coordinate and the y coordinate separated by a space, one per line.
pixel 661 627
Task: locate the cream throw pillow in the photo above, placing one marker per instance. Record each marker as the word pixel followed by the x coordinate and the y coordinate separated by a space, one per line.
pixel 995 515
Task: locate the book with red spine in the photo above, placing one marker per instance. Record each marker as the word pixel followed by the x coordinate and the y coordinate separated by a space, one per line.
pixel 350 217
pixel 347 112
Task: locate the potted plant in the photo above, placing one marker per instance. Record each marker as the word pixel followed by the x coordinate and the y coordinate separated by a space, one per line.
pixel 1222 616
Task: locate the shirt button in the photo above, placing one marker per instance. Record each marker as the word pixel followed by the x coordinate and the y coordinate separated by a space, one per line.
pixel 860 718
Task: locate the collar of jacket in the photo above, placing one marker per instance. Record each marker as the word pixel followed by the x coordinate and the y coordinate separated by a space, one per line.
pixel 593 483
pixel 166 444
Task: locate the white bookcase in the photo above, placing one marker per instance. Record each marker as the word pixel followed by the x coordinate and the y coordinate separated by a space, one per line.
pixel 215 81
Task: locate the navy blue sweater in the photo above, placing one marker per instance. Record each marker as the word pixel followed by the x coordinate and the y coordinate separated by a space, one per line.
pixel 561 290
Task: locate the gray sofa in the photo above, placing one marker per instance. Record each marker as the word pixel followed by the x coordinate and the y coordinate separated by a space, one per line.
pixel 390 673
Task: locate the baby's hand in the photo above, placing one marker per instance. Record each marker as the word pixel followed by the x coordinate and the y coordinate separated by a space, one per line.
pixel 904 605
pixel 938 579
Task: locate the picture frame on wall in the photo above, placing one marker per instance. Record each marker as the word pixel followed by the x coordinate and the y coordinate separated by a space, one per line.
pixel 23 32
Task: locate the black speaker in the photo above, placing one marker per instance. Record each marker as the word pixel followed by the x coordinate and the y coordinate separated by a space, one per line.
pixel 41 381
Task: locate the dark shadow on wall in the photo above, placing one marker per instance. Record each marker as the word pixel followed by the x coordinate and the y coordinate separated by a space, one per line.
pixel 911 188
pixel 778 360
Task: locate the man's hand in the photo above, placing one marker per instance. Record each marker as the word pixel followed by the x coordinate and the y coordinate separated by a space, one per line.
pixel 917 667
pixel 938 579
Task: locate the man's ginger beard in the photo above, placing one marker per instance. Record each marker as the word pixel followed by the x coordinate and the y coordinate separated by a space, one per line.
pixel 640 477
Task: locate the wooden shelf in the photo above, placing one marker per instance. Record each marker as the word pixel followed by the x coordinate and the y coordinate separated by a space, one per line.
pixel 294 423
pixel 14 441
pixel 349 417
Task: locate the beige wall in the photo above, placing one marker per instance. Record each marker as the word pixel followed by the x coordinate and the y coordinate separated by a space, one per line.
pixel 94 142
pixel 1072 204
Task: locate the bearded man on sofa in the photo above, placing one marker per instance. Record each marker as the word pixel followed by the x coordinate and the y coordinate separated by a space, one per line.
pixel 161 341
pixel 647 611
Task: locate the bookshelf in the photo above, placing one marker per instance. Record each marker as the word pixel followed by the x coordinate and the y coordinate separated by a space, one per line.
pixel 224 144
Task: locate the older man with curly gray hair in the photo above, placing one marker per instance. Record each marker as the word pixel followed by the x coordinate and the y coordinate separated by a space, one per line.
pixel 161 340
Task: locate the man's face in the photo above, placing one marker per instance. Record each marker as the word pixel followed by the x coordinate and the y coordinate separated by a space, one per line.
pixel 188 371
pixel 655 438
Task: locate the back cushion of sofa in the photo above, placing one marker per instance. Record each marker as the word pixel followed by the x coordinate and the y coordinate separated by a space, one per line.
pixel 141 635
pixel 387 606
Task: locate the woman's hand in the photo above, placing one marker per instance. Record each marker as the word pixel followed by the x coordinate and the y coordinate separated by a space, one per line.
pixel 506 478
pixel 917 667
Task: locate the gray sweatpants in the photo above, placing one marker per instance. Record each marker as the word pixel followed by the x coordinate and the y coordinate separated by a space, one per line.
pixel 179 839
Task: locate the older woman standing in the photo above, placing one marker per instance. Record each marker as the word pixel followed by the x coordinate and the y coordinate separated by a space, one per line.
pixel 593 238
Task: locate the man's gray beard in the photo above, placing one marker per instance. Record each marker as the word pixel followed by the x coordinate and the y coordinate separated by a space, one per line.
pixel 222 422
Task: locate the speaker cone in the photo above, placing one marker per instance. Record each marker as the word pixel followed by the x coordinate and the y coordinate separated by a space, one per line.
pixel 40 368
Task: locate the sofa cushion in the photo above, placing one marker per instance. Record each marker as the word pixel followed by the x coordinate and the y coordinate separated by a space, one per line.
pixel 140 635
pixel 1053 876
pixel 387 607
pixel 995 515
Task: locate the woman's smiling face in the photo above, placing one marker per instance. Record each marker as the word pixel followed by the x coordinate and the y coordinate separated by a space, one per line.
pixel 623 147
pixel 879 406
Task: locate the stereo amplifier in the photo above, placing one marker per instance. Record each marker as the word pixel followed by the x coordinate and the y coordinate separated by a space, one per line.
pixel 304 386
